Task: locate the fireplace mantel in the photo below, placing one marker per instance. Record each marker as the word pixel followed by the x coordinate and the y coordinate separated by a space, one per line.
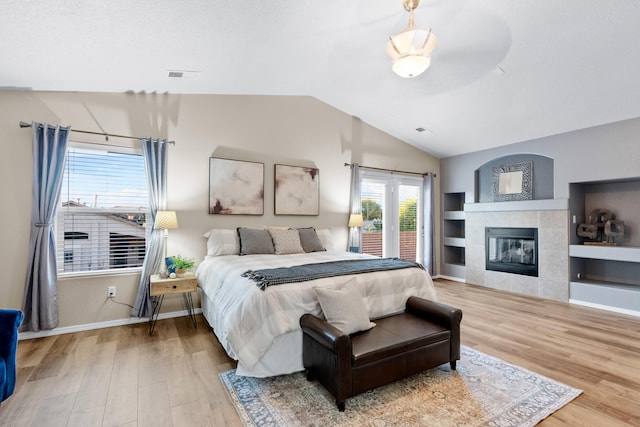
pixel 522 205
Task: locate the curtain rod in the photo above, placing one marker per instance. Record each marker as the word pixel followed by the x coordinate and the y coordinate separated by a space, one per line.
pixel 106 135
pixel 394 171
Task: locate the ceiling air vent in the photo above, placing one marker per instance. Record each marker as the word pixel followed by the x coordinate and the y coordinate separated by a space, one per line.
pixel 423 129
pixel 183 74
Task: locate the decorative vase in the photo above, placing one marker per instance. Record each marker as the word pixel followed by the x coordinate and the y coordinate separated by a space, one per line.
pixel 169 263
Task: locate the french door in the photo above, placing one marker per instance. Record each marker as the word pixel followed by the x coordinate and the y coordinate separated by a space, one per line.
pixel 392 212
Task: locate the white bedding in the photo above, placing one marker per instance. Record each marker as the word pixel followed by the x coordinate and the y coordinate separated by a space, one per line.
pixel 247 320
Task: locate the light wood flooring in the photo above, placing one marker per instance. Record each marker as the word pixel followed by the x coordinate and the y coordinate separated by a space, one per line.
pixel 121 376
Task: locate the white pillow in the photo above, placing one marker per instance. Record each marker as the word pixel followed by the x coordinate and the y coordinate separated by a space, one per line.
pixel 286 241
pixel 344 308
pixel 326 238
pixel 222 242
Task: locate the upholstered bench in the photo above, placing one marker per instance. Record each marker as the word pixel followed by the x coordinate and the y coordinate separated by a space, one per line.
pixel 425 335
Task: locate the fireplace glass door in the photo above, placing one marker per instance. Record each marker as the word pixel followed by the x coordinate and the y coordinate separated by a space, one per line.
pixel 512 250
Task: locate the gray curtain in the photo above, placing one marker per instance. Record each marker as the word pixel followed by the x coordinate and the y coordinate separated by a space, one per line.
pixel 155 163
pixel 40 305
pixel 429 260
pixel 355 237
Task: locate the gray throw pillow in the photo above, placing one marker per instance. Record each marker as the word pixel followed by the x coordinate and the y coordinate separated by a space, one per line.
pixel 310 240
pixel 255 241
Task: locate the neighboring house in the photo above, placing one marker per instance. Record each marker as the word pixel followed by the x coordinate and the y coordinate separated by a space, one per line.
pixel 88 233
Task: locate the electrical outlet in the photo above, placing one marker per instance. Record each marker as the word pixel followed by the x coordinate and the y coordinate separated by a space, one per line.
pixel 111 292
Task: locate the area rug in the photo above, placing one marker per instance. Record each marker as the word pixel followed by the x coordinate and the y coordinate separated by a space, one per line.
pixel 483 391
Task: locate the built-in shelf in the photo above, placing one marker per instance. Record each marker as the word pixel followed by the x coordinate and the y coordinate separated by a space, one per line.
pixel 454 241
pixel 454 215
pixel 454 255
pixel 612 253
pixel 605 276
pixel 605 295
pixel 453 235
pixel 453 228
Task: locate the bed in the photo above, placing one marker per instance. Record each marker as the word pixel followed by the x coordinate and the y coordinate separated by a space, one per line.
pixel 260 328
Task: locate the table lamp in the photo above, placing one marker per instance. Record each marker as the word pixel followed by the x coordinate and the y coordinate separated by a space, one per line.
pixel 355 220
pixel 166 220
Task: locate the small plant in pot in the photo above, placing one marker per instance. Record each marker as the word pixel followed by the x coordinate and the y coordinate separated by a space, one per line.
pixel 181 264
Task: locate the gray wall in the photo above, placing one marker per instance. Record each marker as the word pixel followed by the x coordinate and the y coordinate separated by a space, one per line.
pixel 610 151
pixel 542 179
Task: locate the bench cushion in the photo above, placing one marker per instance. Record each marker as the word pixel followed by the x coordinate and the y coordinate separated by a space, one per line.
pixel 394 335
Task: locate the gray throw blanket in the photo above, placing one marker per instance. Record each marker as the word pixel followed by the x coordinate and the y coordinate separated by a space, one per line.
pixel 302 273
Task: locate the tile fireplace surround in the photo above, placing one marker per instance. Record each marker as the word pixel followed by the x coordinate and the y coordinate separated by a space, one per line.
pixel 552 221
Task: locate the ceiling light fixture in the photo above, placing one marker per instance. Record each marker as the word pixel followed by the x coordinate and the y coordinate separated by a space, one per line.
pixel 411 49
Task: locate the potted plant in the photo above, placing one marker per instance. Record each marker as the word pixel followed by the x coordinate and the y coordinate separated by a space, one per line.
pixel 181 264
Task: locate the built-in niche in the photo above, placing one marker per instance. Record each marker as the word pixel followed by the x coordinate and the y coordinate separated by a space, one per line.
pixel 515 177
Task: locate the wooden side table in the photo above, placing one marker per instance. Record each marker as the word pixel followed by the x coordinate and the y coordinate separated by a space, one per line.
pixel 159 287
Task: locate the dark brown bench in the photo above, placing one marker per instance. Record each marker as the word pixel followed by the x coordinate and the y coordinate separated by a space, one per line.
pixel 426 335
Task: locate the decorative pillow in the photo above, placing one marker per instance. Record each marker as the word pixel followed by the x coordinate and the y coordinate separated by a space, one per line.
pixel 255 241
pixel 222 242
pixel 286 241
pixel 344 308
pixel 309 240
pixel 326 238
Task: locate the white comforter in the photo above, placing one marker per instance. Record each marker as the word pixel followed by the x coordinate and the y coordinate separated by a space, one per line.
pixel 247 320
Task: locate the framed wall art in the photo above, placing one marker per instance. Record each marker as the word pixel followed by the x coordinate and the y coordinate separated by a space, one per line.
pixel 297 190
pixel 513 182
pixel 236 187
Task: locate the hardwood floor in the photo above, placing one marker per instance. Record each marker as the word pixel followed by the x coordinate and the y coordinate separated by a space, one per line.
pixel 594 350
pixel 121 376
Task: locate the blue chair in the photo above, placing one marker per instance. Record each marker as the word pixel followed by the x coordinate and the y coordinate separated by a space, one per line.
pixel 9 323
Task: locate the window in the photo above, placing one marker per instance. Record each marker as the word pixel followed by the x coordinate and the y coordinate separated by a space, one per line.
pixel 391 206
pixel 101 222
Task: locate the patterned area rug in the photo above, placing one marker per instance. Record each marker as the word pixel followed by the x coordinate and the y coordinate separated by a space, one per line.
pixel 484 391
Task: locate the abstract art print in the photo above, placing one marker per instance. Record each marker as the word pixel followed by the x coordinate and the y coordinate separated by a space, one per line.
pixel 236 187
pixel 297 190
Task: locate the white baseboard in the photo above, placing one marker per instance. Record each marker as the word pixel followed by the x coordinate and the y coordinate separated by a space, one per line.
pixel 605 307
pixel 101 325
pixel 454 279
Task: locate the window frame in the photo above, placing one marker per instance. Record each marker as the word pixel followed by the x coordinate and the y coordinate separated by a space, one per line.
pixel 62 253
pixel 391 210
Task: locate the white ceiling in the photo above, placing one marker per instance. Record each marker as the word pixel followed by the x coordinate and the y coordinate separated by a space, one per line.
pixel 503 71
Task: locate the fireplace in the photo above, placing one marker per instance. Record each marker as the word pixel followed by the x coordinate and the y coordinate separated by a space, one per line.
pixel 512 250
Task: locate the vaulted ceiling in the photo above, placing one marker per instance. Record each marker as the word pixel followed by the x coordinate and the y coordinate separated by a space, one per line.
pixel 503 71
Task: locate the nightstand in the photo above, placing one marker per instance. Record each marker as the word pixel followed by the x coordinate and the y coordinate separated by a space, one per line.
pixel 159 287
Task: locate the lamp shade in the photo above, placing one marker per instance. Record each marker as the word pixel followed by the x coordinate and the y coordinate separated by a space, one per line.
pixel 355 220
pixel 166 220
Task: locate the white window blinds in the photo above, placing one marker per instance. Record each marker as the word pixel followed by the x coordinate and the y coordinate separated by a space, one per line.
pixel 373 194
